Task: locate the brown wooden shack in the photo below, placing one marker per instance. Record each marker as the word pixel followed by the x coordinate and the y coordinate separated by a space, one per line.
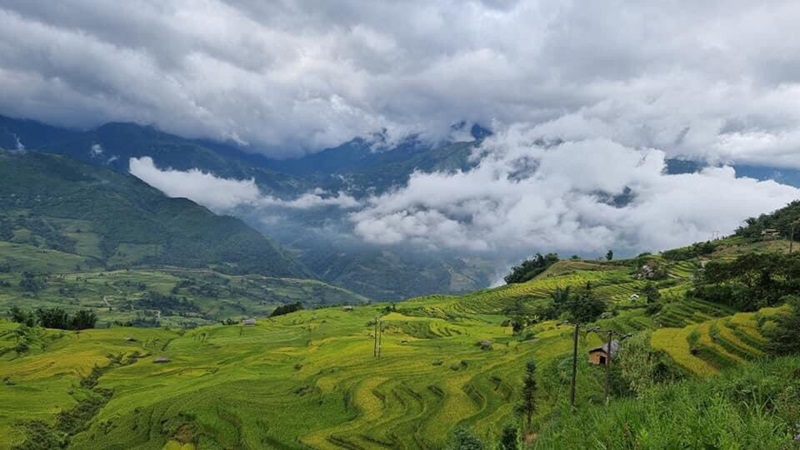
pixel 600 355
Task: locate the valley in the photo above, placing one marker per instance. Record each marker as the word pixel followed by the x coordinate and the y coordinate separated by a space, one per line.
pixel 310 379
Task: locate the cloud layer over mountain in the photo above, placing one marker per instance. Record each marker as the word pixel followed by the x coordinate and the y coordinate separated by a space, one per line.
pixel 583 196
pixel 586 196
pixel 714 79
pixel 223 195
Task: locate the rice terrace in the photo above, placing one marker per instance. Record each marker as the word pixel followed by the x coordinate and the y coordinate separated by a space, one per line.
pixel 312 378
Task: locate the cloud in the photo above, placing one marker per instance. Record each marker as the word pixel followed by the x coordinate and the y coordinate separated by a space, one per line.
pixel 223 194
pixel 716 81
pixel 218 194
pixel 563 200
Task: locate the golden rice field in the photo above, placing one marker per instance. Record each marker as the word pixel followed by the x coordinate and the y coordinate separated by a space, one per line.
pixel 310 379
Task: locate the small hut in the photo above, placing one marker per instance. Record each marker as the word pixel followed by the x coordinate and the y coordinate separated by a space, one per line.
pixel 161 360
pixel 600 355
pixel 249 322
pixel 347 308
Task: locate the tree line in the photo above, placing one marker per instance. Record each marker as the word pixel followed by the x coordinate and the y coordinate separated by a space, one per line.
pixel 54 318
pixel 750 282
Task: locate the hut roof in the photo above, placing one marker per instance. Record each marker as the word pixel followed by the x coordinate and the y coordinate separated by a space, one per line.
pixel 161 359
pixel 604 348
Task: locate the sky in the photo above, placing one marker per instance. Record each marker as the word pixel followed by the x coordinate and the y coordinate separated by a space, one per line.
pixel 624 84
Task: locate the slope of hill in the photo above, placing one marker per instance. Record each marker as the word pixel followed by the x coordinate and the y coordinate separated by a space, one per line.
pixel 149 296
pixel 354 168
pixel 116 220
pixel 446 361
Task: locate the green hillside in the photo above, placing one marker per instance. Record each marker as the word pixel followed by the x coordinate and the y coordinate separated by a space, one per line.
pixel 117 221
pixel 166 296
pixel 309 379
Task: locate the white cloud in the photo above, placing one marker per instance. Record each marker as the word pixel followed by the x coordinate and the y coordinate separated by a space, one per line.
pixel 218 194
pixel 223 194
pixel 561 201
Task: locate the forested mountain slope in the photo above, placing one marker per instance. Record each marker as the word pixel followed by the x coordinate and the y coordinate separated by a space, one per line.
pixel 117 221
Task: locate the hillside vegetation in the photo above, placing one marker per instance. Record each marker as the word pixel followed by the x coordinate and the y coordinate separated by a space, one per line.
pixel 33 277
pixel 310 379
pixel 116 221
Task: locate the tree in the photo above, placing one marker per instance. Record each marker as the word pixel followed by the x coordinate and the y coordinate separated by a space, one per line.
pixel 509 440
pixel 610 255
pixel 23 317
pixel 560 298
pixel 84 319
pixel 651 292
pixel 582 307
pixel 31 283
pixel 53 318
pixel 527 407
pixel 530 268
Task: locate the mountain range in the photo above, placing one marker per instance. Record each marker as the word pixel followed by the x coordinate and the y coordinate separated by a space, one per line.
pixel 318 240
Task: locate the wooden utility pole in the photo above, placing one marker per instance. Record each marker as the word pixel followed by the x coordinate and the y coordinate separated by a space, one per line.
pixel 375 340
pixel 608 366
pixel 380 337
pixel 574 365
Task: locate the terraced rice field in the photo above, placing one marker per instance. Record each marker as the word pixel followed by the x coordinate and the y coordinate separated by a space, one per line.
pixel 310 379
pixel 307 378
pixel 706 348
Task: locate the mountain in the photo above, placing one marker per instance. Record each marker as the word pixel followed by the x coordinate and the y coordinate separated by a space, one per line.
pixel 116 220
pixel 320 238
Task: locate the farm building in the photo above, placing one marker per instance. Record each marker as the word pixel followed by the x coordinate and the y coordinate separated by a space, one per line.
pixel 347 308
pixel 249 322
pixel 599 355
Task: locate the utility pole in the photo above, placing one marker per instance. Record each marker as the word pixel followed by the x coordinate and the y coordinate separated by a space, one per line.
pixel 608 367
pixel 380 337
pixel 574 366
pixel 375 340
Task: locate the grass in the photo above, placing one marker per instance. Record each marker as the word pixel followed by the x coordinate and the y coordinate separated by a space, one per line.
pixel 750 408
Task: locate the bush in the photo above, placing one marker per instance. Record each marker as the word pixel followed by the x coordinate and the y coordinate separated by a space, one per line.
pixel 286 309
pixel 784 337
pixel 463 439
pixel 653 308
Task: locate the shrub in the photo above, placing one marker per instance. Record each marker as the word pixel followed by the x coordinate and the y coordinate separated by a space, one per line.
pixel 286 309
pixel 463 439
